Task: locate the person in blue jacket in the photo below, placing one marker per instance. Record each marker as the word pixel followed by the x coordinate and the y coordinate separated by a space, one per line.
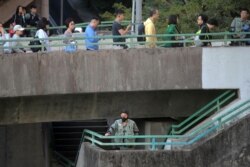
pixel 91 37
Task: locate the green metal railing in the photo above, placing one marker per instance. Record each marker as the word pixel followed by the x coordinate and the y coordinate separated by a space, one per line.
pixel 189 39
pixel 190 138
pixel 213 106
pixel 179 140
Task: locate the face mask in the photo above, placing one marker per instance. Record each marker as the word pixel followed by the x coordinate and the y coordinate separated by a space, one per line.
pixel 124 119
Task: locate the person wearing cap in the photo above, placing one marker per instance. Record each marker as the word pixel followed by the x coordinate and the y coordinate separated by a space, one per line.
pixel 17 46
pixel 123 127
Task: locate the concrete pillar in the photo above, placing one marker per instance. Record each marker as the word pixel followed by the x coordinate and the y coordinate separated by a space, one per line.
pixel 138 17
pixel 45 8
pixel 3 146
pixel 157 128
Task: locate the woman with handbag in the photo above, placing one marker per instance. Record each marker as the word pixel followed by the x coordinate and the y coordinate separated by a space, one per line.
pixel 71 45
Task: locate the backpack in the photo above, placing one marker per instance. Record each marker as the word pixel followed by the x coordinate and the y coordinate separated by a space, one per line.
pixel 141 31
pixel 35 42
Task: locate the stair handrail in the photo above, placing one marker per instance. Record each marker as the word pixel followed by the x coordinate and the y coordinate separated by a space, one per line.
pixel 197 134
pixel 203 112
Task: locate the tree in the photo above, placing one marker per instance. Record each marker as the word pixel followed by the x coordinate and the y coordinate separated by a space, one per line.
pixel 223 10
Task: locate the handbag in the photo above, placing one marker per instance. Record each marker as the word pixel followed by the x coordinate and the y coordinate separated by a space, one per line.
pixel 35 43
pixel 71 47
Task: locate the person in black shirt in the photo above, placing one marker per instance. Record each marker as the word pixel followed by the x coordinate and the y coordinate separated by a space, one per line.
pixel 32 19
pixel 118 30
pixel 18 17
pixel 205 27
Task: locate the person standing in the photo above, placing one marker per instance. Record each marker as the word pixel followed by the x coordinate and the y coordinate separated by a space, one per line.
pixel 150 28
pixel 42 35
pixel 123 127
pixel 19 17
pixel 17 45
pixel 118 30
pixel 241 24
pixel 204 28
pixel 32 19
pixel 91 37
pixel 2 37
pixel 172 28
pixel 68 34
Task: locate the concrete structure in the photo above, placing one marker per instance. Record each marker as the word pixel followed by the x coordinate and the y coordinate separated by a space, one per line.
pixel 103 71
pixel 103 106
pixel 8 8
pixel 23 145
pixel 230 147
pixel 89 85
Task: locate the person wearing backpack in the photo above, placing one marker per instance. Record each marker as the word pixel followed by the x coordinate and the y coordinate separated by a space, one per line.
pixel 41 34
pixel 141 31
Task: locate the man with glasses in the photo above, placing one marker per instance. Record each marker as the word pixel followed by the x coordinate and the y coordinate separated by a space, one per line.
pixel 241 24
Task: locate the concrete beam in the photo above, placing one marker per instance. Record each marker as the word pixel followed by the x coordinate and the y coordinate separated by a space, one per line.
pixel 102 71
pixel 152 104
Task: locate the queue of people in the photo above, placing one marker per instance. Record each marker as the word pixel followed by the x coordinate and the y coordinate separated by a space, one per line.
pixel 21 20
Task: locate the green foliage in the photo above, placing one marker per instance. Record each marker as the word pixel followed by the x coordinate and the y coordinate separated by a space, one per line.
pixel 188 10
pixel 107 16
pixel 222 10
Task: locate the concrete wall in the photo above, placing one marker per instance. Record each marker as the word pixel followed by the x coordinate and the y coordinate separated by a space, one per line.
pixel 22 146
pixel 227 68
pixel 102 71
pixel 175 104
pixel 229 148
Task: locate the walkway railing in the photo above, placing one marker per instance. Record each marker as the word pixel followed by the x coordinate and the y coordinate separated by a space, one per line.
pixel 178 140
pixel 106 40
pixel 212 107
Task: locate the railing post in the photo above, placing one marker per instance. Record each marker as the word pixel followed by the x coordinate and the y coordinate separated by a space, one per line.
pixel 225 39
pixel 219 123
pixel 153 146
pixel 218 104
pixel 93 137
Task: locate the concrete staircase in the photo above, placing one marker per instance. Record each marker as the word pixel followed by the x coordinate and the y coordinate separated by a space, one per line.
pixel 67 135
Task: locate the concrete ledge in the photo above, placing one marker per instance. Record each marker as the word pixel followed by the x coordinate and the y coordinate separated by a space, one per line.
pixel 103 71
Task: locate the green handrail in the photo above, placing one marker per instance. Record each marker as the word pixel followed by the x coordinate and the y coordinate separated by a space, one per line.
pixel 202 113
pixel 228 115
pixel 131 43
pixel 191 137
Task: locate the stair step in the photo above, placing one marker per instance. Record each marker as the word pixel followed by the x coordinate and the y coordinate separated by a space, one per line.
pixel 81 123
pixel 68 135
pixel 70 129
